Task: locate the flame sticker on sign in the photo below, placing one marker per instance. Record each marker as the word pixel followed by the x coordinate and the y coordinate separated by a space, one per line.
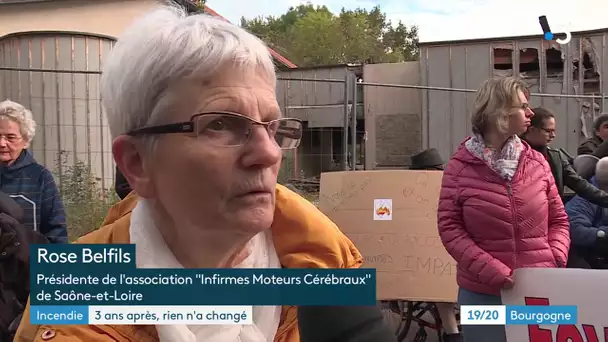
pixel 383 209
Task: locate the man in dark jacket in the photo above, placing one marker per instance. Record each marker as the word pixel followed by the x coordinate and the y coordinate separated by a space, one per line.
pixel 14 265
pixel 539 135
pixel 600 134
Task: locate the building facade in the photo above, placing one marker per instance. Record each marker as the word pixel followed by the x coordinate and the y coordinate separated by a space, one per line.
pixel 571 76
pixel 51 57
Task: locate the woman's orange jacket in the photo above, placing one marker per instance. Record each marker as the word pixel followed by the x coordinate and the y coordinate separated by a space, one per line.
pixel 304 238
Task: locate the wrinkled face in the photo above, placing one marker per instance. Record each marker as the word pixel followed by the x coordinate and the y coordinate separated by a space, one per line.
pixel 602 132
pixel 217 187
pixel 11 140
pixel 519 120
pixel 542 136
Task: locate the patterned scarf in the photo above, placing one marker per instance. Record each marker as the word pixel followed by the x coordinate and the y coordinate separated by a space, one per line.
pixel 503 162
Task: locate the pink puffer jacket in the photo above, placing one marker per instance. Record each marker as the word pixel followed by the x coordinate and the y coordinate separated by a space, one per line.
pixel 491 226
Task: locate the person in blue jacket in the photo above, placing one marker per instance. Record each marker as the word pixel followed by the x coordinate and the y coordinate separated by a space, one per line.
pixel 589 225
pixel 22 178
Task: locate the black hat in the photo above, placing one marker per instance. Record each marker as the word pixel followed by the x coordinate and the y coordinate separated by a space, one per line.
pixel 427 159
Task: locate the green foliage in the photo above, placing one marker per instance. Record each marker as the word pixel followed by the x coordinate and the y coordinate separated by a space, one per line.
pixel 86 202
pixel 312 35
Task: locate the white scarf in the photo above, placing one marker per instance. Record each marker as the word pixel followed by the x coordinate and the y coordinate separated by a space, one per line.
pixel 153 252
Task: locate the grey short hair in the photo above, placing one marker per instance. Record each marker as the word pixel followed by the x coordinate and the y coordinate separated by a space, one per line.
pixel 601 173
pixel 160 49
pixel 22 116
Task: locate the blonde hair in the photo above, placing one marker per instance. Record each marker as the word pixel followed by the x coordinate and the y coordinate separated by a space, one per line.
pixel 22 116
pixel 496 100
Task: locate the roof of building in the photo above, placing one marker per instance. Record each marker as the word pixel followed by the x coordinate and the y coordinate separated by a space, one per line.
pixel 191 7
pixel 10 2
pixel 284 62
pixel 502 39
pixel 277 56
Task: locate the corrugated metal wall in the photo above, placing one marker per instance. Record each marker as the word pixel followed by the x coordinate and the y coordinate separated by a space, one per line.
pixel 58 79
pixel 321 104
pixel 463 65
pixel 392 115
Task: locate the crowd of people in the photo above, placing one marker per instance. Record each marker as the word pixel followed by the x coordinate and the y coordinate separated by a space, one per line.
pixel 198 140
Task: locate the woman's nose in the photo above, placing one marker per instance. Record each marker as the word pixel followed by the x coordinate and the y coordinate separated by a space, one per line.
pixel 262 150
pixel 529 113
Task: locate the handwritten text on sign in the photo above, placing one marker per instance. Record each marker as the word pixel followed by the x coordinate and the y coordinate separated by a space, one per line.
pixel 406 251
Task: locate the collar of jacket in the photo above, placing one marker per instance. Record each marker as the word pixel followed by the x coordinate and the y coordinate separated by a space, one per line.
pixel 304 238
pixel 555 159
pixel 25 159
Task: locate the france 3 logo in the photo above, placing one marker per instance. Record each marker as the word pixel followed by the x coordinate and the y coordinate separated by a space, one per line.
pixel 560 38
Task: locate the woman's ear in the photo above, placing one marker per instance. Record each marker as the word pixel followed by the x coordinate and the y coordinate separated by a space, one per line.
pixel 129 157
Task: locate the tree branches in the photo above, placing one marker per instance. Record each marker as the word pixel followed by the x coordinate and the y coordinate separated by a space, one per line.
pixel 312 35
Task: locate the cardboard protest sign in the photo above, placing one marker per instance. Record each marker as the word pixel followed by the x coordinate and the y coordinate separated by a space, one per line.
pixel 391 216
pixel 551 286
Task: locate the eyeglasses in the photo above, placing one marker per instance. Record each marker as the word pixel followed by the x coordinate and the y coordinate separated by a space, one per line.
pixel 227 129
pixel 548 131
pixel 11 138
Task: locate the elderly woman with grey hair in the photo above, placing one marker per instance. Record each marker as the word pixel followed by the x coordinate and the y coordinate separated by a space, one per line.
pixel 198 134
pixel 27 182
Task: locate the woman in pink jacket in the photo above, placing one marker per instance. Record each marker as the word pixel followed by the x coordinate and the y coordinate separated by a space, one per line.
pixel 499 208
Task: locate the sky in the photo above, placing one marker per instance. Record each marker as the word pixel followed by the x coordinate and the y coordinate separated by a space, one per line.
pixel 440 20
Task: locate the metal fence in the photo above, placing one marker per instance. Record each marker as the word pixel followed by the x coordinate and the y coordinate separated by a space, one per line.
pixel 57 77
pixel 399 120
pixel 439 117
pixel 350 123
pixel 332 140
pixel 72 138
pixel 72 130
